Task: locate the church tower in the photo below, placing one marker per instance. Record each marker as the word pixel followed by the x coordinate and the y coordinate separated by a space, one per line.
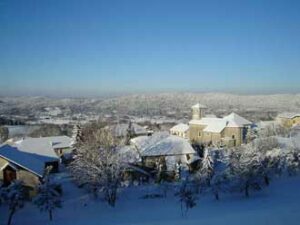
pixel 198 111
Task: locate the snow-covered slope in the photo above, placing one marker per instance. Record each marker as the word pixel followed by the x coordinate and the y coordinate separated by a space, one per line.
pixel 276 205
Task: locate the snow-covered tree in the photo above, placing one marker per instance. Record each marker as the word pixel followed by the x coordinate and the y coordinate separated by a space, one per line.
pixel 292 160
pixel 275 130
pixel 129 132
pixel 13 197
pixel 246 169
pixel 98 165
pixel 219 181
pixel 4 132
pixel 49 197
pixel 205 173
pixel 270 153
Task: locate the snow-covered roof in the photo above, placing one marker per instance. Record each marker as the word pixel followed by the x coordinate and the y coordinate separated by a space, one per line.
pixel 129 154
pixel 216 125
pixel 44 146
pixel 180 128
pixel 172 145
pixel 23 159
pixel 210 116
pixel 237 119
pixel 199 106
pixel 144 142
pixel 289 115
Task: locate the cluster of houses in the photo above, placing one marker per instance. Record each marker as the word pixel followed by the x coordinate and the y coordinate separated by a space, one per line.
pixel 26 159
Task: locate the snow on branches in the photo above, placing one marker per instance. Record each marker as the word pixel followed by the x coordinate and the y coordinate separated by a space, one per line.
pixel 98 165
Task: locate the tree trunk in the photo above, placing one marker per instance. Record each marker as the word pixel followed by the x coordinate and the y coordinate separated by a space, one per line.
pixel 247 191
pixel 267 180
pixel 12 212
pixel 50 215
pixel 217 196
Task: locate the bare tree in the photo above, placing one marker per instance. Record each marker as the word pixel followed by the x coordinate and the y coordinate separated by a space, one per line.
pixel 98 164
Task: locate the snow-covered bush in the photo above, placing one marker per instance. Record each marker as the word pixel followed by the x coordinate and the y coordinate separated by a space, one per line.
pixel 13 196
pixel 48 198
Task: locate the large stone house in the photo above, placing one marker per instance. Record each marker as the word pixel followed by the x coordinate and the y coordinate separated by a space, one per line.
pixel 227 131
pixel 289 119
pixel 23 166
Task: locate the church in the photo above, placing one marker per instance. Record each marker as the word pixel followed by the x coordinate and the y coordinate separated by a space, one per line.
pixel 228 131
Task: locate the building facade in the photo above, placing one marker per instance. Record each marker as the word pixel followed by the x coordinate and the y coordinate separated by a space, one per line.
pixel 227 131
pixel 289 119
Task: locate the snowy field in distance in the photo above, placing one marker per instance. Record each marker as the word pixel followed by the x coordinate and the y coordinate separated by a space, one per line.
pixel 278 204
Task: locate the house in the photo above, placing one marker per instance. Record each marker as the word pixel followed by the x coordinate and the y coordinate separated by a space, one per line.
pixel 162 148
pixel 289 119
pixel 23 166
pixel 48 149
pixel 227 131
pixel 180 130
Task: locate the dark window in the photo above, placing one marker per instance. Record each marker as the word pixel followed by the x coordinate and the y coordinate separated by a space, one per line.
pixel 9 175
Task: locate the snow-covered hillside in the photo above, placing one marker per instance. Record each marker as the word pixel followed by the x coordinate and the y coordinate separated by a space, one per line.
pixel 278 204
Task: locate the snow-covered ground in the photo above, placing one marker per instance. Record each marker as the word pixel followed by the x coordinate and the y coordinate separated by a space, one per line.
pixel 278 204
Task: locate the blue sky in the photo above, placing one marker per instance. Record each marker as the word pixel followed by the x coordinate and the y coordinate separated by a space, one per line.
pixel 72 47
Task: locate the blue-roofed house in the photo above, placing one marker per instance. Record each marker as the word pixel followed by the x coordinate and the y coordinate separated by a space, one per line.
pixel 19 165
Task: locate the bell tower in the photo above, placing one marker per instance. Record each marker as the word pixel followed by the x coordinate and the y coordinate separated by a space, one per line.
pixel 198 111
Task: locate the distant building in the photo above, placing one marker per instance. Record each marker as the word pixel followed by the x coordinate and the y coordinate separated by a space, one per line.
pixel 180 130
pixel 289 119
pixel 227 131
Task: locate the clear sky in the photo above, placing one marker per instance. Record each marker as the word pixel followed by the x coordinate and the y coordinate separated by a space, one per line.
pixel 72 47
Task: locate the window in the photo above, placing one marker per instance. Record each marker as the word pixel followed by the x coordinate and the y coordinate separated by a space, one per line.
pixel 188 156
pixel 199 134
pixel 233 136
